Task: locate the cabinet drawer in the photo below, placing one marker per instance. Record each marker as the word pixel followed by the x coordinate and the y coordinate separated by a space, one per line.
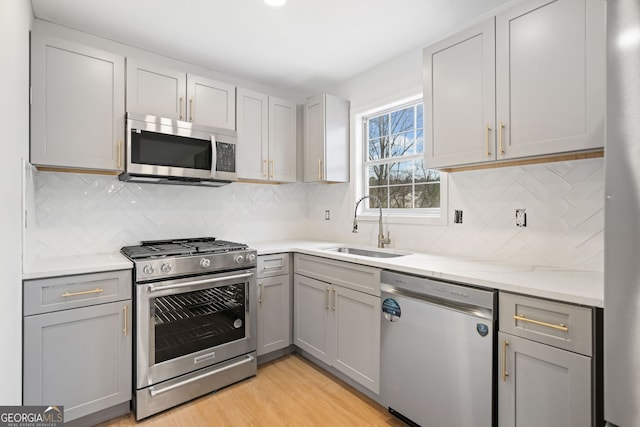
pixel 62 293
pixel 273 265
pixel 352 276
pixel 558 324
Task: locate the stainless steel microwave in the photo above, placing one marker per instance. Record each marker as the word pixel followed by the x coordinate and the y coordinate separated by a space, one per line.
pixel 167 151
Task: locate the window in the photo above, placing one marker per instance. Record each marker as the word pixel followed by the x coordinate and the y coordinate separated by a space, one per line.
pixel 393 162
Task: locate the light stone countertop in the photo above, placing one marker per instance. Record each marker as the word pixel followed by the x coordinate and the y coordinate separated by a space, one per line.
pixel 574 286
pixel 54 266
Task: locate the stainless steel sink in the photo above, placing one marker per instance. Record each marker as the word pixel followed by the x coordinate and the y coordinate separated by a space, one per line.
pixel 371 253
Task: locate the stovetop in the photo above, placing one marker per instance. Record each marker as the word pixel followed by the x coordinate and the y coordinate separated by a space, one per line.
pixel 180 247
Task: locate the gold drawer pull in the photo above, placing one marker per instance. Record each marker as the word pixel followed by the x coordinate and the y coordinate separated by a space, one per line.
pixel 73 294
pixel 505 374
pixel 119 164
pixel 126 320
pixel 560 327
pixel 487 140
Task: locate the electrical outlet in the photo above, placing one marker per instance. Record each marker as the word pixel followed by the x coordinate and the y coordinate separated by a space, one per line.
pixel 327 215
pixel 521 218
pixel 457 216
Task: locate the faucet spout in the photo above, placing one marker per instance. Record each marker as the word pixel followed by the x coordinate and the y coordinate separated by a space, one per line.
pixel 381 239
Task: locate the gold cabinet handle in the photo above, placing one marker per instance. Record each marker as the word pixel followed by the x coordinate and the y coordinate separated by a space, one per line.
pixel 273 168
pixel 486 139
pixel 505 374
pixel 181 115
pixel 125 309
pixel 265 169
pixel 334 299
pixel 560 327
pixel 191 110
pixel 260 293
pixel 500 137
pixel 92 291
pixel 327 292
pixel 119 161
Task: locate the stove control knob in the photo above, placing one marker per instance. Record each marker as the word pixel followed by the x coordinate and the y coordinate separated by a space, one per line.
pixel 251 257
pixel 165 268
pixel 148 269
pixel 239 259
pixel 205 263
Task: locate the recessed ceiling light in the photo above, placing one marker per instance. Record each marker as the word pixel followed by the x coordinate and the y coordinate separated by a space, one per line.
pixel 275 3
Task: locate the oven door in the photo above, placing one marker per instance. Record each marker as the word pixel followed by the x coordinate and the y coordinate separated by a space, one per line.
pixel 186 324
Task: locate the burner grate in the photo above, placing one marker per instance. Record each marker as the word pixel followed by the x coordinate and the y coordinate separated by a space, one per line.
pixel 180 247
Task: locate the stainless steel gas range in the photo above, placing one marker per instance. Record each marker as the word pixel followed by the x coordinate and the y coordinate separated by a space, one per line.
pixel 195 319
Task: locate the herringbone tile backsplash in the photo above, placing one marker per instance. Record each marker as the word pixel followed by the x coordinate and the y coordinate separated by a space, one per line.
pixel 564 202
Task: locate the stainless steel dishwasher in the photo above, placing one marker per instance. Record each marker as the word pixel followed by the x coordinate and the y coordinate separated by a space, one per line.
pixel 437 352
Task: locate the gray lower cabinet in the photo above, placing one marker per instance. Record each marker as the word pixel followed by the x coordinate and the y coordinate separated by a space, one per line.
pixel 545 363
pixel 81 357
pixel 542 385
pixel 274 303
pixel 335 320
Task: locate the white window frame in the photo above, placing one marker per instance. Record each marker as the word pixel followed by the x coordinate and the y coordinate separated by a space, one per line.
pixel 435 216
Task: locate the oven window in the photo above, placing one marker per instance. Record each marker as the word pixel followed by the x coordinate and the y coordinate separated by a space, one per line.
pixel 151 148
pixel 189 322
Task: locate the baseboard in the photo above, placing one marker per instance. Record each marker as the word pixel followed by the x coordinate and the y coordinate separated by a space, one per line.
pixel 336 373
pixel 274 355
pixel 101 416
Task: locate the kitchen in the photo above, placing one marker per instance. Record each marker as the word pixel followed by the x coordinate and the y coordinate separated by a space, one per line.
pixel 78 214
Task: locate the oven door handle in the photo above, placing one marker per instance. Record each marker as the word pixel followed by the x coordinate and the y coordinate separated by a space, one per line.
pixel 153 288
pixel 153 391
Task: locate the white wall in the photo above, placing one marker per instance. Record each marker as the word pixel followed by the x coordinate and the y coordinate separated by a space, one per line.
pixel 15 21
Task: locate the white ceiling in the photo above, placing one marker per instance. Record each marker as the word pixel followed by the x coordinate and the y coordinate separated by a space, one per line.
pixel 305 46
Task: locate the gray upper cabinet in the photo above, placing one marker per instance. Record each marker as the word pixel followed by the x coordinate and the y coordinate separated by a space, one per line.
pixel 165 92
pixel 459 94
pixel 550 65
pixel 528 83
pixel 326 139
pixel 77 107
pixel 156 90
pixel 266 137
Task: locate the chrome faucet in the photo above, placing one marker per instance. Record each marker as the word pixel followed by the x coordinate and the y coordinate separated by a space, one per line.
pixel 381 239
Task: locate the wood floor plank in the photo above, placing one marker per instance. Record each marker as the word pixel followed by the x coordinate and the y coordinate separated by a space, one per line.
pixel 290 391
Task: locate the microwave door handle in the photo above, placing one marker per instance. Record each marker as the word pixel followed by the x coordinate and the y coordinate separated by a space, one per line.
pixel 214 155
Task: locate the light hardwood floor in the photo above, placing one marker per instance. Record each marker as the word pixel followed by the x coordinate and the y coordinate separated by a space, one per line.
pixel 287 392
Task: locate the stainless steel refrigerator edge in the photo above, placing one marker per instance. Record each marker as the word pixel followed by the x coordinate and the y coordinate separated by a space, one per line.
pixel 622 216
